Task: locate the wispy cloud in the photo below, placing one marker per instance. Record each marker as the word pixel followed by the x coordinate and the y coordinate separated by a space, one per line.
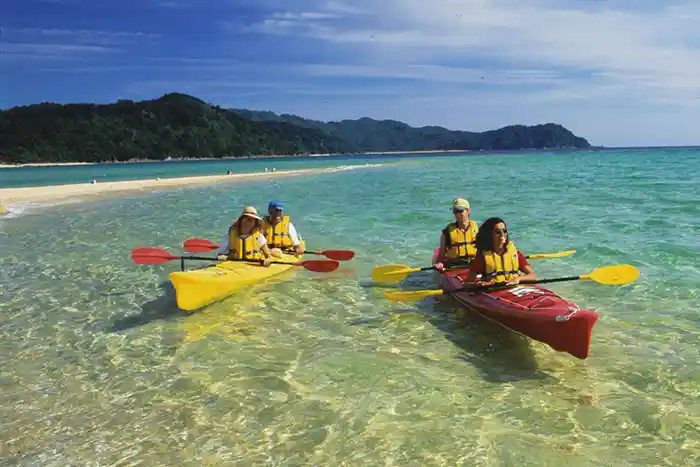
pixel 178 4
pixel 79 36
pixel 651 46
pixel 237 87
pixel 155 64
pixel 610 70
pixel 439 73
pixel 51 44
pixel 53 49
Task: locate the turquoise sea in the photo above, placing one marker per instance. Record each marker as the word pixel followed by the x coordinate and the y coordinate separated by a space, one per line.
pixel 99 367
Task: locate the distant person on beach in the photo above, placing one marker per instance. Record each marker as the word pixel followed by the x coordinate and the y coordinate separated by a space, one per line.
pixel 497 259
pixel 458 238
pixel 279 230
pixel 228 172
pixel 245 239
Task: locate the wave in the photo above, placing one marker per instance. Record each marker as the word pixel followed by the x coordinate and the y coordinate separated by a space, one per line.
pixel 16 210
pixel 22 209
pixel 342 168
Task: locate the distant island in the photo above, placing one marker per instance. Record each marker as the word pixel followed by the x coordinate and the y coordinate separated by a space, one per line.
pixel 180 126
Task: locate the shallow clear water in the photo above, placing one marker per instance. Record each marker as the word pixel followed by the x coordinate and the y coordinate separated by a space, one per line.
pixel 99 367
pixel 15 177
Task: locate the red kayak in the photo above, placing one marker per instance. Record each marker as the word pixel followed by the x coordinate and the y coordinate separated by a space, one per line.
pixel 531 310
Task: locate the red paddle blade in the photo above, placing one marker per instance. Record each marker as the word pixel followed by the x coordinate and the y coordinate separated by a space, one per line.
pixel 151 256
pixel 199 245
pixel 319 265
pixel 339 255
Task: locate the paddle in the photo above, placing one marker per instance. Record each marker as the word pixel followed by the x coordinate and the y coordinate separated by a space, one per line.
pixel 390 273
pixel 609 275
pixel 159 256
pixel 542 255
pixel 199 245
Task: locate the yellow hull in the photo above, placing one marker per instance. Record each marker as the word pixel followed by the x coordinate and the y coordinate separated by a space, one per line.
pixel 200 287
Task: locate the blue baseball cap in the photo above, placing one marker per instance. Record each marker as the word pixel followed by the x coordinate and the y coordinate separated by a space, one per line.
pixel 276 205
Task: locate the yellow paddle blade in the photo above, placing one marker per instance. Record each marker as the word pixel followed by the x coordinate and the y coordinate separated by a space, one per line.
pixel 552 255
pixel 613 275
pixel 390 273
pixel 412 295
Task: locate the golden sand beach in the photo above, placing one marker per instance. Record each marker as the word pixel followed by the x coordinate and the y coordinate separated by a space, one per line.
pixel 45 194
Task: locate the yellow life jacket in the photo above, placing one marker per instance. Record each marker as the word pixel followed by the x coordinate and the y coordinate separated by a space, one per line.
pixel 504 267
pixel 243 248
pixel 460 243
pixel 277 236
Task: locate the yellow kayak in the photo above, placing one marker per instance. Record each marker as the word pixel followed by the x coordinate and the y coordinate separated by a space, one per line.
pixel 200 287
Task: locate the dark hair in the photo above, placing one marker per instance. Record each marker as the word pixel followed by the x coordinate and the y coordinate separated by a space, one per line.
pixel 484 238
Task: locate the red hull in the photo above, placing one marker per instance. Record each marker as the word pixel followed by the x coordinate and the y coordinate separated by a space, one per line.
pixel 531 310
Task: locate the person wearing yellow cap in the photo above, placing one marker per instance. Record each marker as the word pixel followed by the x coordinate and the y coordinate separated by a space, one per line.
pixel 245 239
pixel 458 238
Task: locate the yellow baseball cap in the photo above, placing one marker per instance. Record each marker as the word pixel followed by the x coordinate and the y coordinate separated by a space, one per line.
pixel 460 203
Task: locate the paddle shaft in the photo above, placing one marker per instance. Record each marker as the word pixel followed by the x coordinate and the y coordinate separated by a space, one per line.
pixel 557 279
pixel 609 275
pixel 339 255
pixel 566 253
pixel 197 245
pixel 204 258
pixel 504 286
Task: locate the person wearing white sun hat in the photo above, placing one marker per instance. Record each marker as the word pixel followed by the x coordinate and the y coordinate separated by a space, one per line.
pixel 245 240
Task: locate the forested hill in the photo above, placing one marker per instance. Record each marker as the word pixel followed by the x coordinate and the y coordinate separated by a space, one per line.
pixel 181 126
pixel 369 135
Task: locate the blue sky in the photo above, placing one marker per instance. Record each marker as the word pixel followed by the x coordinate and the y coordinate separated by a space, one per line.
pixel 616 72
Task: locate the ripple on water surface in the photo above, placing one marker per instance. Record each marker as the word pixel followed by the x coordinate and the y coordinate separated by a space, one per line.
pixel 100 367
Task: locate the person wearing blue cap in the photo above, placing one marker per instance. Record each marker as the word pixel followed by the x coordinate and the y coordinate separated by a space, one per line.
pixel 279 230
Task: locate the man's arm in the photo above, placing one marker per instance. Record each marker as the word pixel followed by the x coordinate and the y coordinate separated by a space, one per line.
pixel 293 235
pixel 296 241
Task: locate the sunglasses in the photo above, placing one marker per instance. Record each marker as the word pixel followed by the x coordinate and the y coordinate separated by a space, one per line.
pixel 500 231
pixel 457 211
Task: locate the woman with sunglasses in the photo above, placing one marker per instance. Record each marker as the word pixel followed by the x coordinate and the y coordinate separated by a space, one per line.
pixel 497 259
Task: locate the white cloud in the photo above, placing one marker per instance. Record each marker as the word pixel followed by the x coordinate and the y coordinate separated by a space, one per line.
pixel 305 15
pixel 441 74
pixel 78 36
pixel 646 49
pixel 57 44
pixel 52 49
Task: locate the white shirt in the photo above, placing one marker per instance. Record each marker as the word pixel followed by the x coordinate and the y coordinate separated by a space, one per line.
pixel 293 235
